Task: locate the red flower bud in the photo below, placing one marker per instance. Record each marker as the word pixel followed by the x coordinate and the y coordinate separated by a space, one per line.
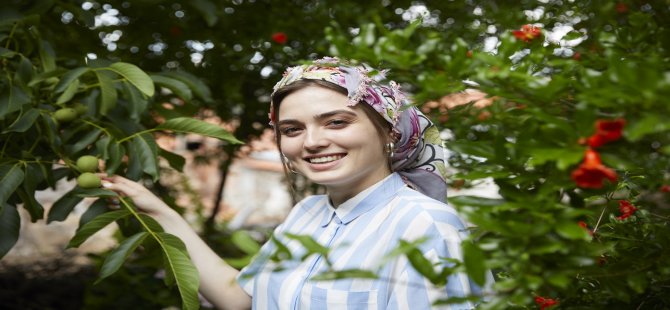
pixel 528 33
pixel 591 172
pixel 545 302
pixel 665 188
pixel 279 37
pixel 606 131
pixel 626 208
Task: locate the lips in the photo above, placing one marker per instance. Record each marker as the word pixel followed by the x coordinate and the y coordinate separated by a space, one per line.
pixel 324 159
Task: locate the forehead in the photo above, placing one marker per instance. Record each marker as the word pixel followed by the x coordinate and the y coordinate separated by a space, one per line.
pixel 312 101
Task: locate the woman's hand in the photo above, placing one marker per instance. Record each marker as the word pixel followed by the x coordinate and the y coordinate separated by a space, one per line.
pixel 144 199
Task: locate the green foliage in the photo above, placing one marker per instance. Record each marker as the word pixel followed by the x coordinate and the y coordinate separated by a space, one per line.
pixel 546 96
pixel 55 110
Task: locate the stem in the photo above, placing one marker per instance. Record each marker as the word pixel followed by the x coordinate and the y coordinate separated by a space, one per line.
pixel 137 216
pixel 103 129
pixel 135 135
pixel 595 228
pixel 11 35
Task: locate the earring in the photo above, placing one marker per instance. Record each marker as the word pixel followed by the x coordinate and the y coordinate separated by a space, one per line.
pixel 288 164
pixel 388 148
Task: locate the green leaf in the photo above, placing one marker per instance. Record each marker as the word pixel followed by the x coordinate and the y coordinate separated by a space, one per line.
pixel 24 122
pixel 83 142
pixel 207 10
pixel 31 204
pixel 68 79
pixel 135 76
pixel 11 100
pixel 473 258
pixel 69 92
pixel 115 259
pixel 107 91
pixel 564 157
pixel 146 150
pixel 47 55
pixel 650 123
pixel 175 161
pixel 6 53
pixel 310 244
pixel 11 177
pixel 116 152
pixel 244 242
pixel 97 208
pixel 96 192
pixel 480 149
pixel 475 201
pixel 95 225
pixel 344 274
pixel 197 86
pixel 572 230
pixel 151 223
pixel 178 87
pixel 137 103
pixel 281 252
pixel 420 263
pixel 179 269
pixel 10 226
pixel 64 205
pixel 190 125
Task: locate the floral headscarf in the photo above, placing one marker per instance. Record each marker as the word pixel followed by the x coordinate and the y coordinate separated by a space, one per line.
pixel 419 155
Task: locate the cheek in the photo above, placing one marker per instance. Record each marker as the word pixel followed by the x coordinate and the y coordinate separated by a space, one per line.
pixel 291 147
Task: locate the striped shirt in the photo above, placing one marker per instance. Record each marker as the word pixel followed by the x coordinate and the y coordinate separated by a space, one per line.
pixel 360 234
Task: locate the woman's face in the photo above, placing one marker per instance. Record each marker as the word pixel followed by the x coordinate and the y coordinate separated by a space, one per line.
pixel 330 142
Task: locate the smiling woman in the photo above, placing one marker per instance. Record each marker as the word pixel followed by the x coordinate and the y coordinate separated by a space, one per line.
pixel 382 163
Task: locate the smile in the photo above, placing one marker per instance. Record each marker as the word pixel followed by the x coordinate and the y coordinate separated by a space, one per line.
pixel 324 159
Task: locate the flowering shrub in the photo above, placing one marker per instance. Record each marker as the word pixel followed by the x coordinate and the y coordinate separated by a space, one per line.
pixel 577 127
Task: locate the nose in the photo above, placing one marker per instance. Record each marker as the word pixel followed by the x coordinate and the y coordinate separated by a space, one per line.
pixel 314 140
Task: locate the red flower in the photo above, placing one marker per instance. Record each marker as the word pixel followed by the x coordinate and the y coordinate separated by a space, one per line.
pixel 279 37
pixel 606 131
pixel 577 56
pixel 545 302
pixel 468 54
pixel 585 226
pixel 621 7
pixel 528 33
pixel 665 188
pixel 626 208
pixel 591 172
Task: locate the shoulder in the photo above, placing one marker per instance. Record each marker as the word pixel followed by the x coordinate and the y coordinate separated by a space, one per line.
pixel 429 212
pixel 305 211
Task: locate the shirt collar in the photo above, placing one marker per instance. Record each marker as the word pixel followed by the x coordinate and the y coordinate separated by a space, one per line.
pixel 375 195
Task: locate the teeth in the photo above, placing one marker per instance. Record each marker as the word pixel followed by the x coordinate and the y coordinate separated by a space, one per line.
pixel 325 159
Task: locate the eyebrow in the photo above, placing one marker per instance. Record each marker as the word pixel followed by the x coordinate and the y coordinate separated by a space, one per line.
pixel 320 116
pixel 333 113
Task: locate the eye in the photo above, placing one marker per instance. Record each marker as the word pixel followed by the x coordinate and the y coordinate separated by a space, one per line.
pixel 337 123
pixel 289 131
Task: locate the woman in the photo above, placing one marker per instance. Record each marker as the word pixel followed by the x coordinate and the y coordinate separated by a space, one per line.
pixel 382 164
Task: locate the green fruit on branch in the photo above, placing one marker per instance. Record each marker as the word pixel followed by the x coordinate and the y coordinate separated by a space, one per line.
pixel 88 180
pixel 65 115
pixel 80 108
pixel 87 163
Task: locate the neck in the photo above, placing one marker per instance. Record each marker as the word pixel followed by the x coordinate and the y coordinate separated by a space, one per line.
pixel 339 194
